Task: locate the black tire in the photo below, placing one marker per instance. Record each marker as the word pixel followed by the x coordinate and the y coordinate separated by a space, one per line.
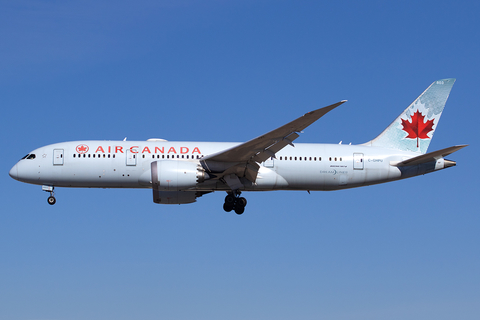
pixel 242 201
pixel 230 199
pixel 227 207
pixel 51 200
pixel 239 210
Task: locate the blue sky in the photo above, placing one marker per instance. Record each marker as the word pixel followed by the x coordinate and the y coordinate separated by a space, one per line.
pixel 230 71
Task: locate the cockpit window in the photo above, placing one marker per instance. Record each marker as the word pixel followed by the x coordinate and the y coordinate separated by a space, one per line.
pixel 25 157
pixel 31 156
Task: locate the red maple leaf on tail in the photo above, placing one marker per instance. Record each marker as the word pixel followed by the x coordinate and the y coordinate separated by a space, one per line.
pixel 417 128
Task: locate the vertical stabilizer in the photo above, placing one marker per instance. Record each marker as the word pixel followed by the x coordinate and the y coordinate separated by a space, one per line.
pixel 413 129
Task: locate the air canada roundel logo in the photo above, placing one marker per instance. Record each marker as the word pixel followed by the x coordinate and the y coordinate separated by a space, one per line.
pixel 82 148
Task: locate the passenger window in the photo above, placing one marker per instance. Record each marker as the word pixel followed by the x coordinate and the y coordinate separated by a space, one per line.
pixel 74 155
pixel 88 155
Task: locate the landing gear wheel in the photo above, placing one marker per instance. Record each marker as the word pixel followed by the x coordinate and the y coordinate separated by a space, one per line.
pixel 233 201
pixel 227 207
pixel 51 200
pixel 239 209
pixel 242 201
pixel 230 199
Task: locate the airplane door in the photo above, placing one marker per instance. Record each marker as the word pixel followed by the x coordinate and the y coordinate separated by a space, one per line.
pixel 131 158
pixel 58 157
pixel 358 161
pixel 268 163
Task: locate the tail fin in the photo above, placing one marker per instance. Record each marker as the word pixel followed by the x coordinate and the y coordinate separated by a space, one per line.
pixel 413 129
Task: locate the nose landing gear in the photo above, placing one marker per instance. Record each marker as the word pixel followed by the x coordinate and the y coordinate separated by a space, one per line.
pixel 235 202
pixel 51 200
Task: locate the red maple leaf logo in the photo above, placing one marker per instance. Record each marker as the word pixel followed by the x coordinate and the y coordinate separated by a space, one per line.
pixel 82 148
pixel 417 129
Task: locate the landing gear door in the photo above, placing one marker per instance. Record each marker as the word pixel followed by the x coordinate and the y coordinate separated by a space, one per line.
pixel 131 158
pixel 58 157
pixel 358 161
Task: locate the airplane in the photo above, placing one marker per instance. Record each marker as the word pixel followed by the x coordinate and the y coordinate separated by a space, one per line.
pixel 181 172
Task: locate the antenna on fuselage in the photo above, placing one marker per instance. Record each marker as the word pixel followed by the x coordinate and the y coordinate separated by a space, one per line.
pixel 125 139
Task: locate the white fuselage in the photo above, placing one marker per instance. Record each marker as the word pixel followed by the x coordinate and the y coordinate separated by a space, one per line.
pixel 126 164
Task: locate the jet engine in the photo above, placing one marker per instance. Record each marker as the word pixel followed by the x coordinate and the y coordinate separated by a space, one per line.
pixel 171 175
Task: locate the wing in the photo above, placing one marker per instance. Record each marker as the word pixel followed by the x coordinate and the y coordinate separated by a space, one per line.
pixel 242 160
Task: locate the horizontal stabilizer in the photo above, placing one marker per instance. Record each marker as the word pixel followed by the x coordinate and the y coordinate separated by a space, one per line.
pixel 431 156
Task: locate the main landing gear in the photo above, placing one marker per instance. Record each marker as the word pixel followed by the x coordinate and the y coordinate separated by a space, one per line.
pixel 51 200
pixel 233 201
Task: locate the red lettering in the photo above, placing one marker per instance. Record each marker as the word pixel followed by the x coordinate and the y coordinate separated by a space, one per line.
pixel 196 150
pixel 118 149
pixel 183 150
pixel 100 149
pixel 109 149
pixel 146 150
pixel 159 150
pixel 134 149
pixel 172 149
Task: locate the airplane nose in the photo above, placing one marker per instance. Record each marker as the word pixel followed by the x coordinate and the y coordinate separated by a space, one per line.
pixel 14 172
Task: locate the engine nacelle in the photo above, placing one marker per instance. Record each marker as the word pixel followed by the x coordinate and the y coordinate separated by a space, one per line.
pixel 172 175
